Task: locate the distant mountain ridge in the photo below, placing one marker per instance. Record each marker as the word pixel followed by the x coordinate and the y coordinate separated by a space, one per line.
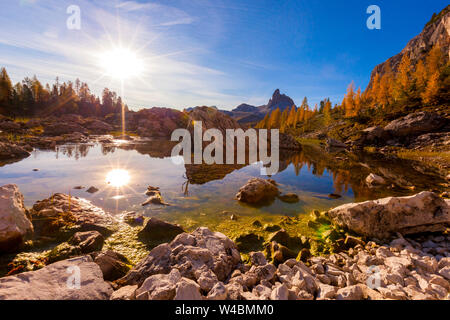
pixel 245 113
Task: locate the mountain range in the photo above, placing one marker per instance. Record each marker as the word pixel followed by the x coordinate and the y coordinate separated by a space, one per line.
pixel 245 113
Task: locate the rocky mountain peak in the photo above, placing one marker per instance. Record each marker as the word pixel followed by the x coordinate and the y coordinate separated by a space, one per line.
pixel 436 31
pixel 279 100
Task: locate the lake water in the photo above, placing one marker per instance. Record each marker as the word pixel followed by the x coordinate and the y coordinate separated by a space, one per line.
pixel 199 194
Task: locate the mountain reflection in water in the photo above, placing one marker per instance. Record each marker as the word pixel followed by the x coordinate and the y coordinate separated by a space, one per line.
pixel 202 189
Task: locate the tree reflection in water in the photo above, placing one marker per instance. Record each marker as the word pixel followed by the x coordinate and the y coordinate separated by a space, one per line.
pixel 347 170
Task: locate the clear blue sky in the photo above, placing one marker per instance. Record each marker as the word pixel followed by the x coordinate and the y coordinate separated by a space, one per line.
pixel 219 53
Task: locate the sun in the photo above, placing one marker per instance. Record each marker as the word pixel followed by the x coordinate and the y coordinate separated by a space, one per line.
pixel 118 178
pixel 121 63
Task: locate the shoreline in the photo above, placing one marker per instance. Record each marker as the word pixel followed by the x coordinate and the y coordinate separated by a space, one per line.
pixel 278 272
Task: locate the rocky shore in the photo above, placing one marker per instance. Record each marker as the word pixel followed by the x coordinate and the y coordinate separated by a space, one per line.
pixel 393 248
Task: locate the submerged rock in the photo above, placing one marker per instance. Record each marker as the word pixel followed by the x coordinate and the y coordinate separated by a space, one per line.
pixel 158 230
pixel 133 218
pixel 423 212
pixel 289 198
pixel 257 190
pixel 249 241
pixel 15 226
pixel 374 180
pixel 154 197
pixel 92 189
pixel 74 279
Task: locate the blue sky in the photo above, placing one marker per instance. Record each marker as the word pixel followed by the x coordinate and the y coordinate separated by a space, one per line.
pixel 221 53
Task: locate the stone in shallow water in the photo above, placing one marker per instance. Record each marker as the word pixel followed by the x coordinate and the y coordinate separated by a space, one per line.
pixel 374 180
pixel 249 241
pixel 289 198
pixel 92 190
pixel 256 191
pixel 158 230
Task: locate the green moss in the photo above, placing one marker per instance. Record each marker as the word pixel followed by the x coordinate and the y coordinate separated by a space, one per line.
pixel 62 252
pixel 306 141
pixel 126 242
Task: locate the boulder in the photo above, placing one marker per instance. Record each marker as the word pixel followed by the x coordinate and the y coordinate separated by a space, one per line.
pixel 52 216
pixel 125 293
pixel 15 226
pixel 113 264
pixel 423 212
pixel 189 253
pixel 88 241
pixel 63 251
pixel 257 190
pixel 158 230
pixel 92 189
pixel 373 134
pixel 249 241
pixel 58 281
pixel 280 292
pixel 133 218
pixel 218 292
pixel 258 259
pixel 281 253
pixel 187 289
pixel 350 293
pixel 374 180
pixel 159 286
pixel 326 292
pixel 281 237
pixel 415 124
pixel 206 279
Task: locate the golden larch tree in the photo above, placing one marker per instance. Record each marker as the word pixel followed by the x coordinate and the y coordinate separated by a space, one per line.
pixel 420 76
pixel 402 80
pixel 429 96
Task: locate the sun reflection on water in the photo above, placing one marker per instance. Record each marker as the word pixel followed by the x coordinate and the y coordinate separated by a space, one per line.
pixel 118 178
